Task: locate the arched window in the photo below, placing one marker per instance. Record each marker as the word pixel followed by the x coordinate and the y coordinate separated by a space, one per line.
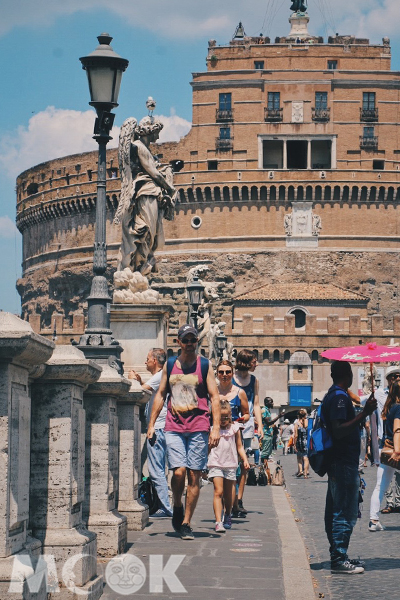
pixel 314 355
pixel 276 356
pixel 286 355
pixel 256 353
pixel 265 355
pixel 299 318
pixel 32 188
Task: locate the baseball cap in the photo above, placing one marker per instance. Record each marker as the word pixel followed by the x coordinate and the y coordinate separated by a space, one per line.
pixel 286 421
pixel 185 330
pixel 391 370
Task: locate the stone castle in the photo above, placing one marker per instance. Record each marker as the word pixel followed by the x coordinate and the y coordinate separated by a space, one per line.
pixel 288 195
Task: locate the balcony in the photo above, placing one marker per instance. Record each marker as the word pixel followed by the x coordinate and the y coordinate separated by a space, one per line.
pixel 224 116
pixel 273 115
pixel 368 142
pixel 223 143
pixel 321 115
pixel 369 115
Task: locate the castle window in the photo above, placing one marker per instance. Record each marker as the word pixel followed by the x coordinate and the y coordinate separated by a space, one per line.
pixel 212 165
pixel 299 318
pixel 89 174
pixel 321 100
pixel 378 165
pixel 259 64
pixel 32 188
pixel 332 65
pixel 368 100
pixel 369 112
pixel 297 154
pixel 225 101
pixel 225 133
pixel 274 100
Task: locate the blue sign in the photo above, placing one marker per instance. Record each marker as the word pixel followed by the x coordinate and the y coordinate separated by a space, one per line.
pixel 300 395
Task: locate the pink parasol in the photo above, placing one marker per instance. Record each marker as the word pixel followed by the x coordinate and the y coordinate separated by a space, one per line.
pixel 370 353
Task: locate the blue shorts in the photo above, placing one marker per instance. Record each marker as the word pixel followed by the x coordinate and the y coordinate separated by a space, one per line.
pixel 187 450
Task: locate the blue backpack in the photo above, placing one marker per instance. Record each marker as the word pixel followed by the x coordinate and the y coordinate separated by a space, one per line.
pixel 319 442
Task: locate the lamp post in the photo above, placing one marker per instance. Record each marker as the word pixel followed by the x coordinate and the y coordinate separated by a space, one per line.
pixel 222 341
pixel 104 69
pixel 195 291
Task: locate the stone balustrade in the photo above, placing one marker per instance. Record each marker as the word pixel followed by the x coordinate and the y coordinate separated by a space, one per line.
pixel 70 442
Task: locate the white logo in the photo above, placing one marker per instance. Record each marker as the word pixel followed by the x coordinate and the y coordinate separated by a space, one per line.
pixel 125 574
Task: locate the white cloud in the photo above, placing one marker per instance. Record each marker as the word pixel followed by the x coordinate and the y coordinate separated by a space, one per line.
pixel 188 19
pixel 174 128
pixel 56 132
pixel 8 228
pixel 50 134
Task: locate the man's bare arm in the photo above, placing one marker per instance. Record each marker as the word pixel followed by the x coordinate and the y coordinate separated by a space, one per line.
pixel 158 403
pixel 215 407
pixel 257 410
pixel 340 428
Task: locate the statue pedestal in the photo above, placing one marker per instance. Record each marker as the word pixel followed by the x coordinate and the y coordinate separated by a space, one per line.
pixel 299 23
pixel 138 328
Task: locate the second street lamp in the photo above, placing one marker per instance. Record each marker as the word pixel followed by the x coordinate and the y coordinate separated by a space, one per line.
pixel 104 70
pixel 195 291
pixel 222 341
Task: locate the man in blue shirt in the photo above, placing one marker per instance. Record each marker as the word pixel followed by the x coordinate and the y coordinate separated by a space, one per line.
pixel 341 508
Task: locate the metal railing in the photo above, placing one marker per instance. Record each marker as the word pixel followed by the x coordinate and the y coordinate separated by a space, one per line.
pixel 369 114
pixel 273 114
pixel 224 143
pixel 223 116
pixel 368 142
pixel 321 115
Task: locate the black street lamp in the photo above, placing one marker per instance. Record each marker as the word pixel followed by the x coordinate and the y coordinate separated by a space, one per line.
pixel 195 291
pixel 222 341
pixel 104 70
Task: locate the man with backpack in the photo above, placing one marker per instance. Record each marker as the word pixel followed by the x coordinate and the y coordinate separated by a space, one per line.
pixel 190 383
pixel 342 497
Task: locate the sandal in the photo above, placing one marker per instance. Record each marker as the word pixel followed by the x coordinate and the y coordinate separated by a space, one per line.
pixel 387 510
pixel 300 474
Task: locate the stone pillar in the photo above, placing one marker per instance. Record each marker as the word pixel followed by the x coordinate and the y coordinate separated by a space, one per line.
pixel 247 324
pixel 101 477
pixel 285 156
pixel 58 467
pixel 268 324
pixel 396 324
pixel 138 328
pixel 309 165
pixel 130 449
pixel 21 350
pixel 333 324
pixel 354 324
pixel 227 318
pixel 377 325
pixel 311 324
pixel 289 321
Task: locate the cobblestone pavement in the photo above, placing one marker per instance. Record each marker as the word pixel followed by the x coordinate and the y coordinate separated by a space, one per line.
pixel 245 562
pixel 380 550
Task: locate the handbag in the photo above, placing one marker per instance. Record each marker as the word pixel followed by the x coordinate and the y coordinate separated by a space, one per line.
pixel 386 456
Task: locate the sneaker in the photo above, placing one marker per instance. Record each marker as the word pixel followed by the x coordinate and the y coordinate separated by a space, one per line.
pixel 345 567
pixel 219 527
pixel 186 532
pixel 161 514
pixel 228 522
pixel 241 507
pixel 357 562
pixel 239 514
pixel 177 518
pixel 375 526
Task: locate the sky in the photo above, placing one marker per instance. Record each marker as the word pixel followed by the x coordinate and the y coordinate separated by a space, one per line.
pixel 44 94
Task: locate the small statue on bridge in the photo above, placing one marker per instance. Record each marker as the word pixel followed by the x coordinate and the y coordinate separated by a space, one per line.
pixel 299 6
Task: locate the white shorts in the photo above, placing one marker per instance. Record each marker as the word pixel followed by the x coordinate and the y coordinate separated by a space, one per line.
pixel 225 473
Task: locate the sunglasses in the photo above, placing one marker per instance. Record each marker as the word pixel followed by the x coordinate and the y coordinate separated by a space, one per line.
pixel 189 341
pixel 224 372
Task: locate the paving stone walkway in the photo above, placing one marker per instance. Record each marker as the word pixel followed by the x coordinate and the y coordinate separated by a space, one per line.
pixel 245 562
pixel 380 550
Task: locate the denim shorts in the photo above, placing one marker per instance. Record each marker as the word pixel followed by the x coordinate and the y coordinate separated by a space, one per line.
pixel 224 473
pixel 187 450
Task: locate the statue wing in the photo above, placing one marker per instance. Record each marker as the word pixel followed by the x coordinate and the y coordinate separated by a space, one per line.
pixel 127 184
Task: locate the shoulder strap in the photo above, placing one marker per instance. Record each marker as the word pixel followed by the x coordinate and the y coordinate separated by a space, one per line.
pixel 170 364
pixel 204 366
